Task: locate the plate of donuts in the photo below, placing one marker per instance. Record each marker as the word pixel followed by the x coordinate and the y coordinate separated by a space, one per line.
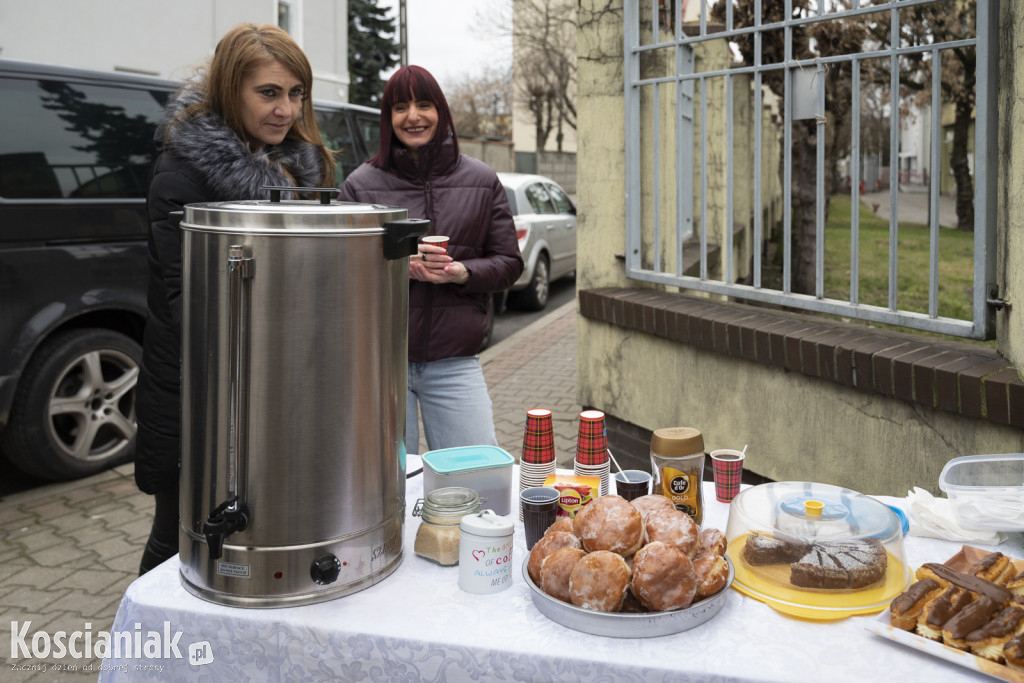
pixel 627 624
pixel 629 569
pixel 968 611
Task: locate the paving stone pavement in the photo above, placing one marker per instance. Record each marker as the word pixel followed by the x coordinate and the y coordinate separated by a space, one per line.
pixel 68 551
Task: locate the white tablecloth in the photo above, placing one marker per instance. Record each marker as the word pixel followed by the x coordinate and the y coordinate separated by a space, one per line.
pixel 418 625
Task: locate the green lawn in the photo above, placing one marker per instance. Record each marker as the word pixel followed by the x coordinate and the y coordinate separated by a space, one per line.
pixel 956 262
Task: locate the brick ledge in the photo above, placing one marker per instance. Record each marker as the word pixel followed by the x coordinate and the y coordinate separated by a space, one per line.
pixel 947 375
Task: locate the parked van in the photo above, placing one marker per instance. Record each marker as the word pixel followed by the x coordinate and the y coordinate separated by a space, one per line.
pixel 76 149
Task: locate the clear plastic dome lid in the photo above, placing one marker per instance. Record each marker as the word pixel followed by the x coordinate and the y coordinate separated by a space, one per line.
pixel 816 550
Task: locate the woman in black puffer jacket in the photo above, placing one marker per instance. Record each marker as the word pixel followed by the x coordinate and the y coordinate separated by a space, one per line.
pixel 420 169
pixel 243 122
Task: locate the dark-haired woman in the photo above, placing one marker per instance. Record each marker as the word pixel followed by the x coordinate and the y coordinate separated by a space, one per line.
pixel 243 122
pixel 419 168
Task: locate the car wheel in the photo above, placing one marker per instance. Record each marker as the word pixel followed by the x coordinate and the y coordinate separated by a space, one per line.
pixel 535 296
pixel 74 410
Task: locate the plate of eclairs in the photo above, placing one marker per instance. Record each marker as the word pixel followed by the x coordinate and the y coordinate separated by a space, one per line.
pixel 629 569
pixel 968 610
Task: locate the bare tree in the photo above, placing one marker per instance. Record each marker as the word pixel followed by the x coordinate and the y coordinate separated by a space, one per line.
pixel 482 105
pixel 544 44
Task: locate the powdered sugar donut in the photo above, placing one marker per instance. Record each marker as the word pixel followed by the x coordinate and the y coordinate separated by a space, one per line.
pixel 663 577
pixel 675 528
pixel 612 524
pixel 599 581
pixel 712 572
pixel 556 569
pixel 712 540
pixel 547 545
pixel 561 524
pixel 651 502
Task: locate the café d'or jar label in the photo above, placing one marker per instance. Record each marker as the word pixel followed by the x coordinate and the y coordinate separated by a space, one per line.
pixel 682 489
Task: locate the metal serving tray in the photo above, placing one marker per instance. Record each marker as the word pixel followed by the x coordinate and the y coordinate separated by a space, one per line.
pixel 627 625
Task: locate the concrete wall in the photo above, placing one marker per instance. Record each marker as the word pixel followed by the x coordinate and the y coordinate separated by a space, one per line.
pixel 796 427
pixel 495 153
pixel 167 40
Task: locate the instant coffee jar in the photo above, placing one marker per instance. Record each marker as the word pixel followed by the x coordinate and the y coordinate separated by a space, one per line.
pixel 677 465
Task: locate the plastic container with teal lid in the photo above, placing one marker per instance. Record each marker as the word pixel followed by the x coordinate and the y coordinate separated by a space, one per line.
pixel 816 551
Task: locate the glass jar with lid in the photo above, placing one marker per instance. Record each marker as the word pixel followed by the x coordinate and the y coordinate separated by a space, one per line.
pixel 677 467
pixel 437 538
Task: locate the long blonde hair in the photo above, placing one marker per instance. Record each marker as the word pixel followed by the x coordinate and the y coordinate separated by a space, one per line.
pixel 242 50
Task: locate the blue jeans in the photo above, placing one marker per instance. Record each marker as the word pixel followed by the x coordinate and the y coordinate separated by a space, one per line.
pixel 452 396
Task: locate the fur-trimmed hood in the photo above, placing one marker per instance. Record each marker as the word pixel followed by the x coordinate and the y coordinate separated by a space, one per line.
pixel 224 160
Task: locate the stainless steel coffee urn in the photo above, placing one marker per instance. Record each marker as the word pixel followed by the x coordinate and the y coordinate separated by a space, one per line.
pixel 294 331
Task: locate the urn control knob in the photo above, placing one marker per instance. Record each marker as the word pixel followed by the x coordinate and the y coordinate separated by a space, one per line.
pixel 325 569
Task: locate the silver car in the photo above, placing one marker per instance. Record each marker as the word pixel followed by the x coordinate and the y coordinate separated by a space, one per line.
pixel 545 221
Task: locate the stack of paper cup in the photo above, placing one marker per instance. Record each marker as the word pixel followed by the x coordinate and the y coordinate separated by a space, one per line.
pixel 592 449
pixel 538 457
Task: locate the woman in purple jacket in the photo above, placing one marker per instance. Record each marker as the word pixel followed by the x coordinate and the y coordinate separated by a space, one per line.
pixel 419 168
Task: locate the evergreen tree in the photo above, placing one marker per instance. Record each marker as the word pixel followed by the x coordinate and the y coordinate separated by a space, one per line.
pixel 371 50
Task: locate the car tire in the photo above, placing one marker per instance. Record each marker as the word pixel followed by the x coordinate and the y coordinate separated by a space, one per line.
pixel 535 296
pixel 74 410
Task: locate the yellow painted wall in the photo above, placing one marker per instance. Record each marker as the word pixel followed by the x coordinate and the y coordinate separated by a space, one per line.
pixel 796 427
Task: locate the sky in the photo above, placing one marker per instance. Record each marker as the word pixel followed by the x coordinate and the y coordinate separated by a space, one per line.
pixel 445 37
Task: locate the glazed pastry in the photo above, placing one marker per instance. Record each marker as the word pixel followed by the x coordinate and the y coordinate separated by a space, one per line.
pixel 578 518
pixel 994 567
pixel 907 606
pixel 940 609
pixel 1013 653
pixel 712 573
pixel 561 524
pixel 651 502
pixel 675 528
pixel 712 540
pixel 613 524
pixel 970 618
pixel 599 581
pixel 663 577
pixel 556 569
pixel 988 641
pixel 546 546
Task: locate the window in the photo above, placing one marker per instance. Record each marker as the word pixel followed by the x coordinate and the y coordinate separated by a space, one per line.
pixel 284 16
pixel 539 199
pixel 562 201
pixel 76 141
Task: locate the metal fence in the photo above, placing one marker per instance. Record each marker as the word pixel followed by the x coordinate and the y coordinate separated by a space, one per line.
pixel 703 168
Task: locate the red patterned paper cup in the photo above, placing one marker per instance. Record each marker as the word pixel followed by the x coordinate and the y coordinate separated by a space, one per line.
pixel 437 241
pixel 538 437
pixel 592 441
pixel 727 467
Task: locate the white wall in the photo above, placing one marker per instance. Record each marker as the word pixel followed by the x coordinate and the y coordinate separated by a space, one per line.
pixel 166 39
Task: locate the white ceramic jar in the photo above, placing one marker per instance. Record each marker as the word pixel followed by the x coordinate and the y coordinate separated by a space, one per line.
pixel 485 553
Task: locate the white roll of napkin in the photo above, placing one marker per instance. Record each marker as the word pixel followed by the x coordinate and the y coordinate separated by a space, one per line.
pixel 933 518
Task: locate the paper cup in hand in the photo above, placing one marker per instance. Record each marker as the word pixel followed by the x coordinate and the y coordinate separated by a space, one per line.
pixel 727 466
pixel 437 241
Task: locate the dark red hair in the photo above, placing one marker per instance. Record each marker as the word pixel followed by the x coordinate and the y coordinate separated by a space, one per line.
pixel 412 83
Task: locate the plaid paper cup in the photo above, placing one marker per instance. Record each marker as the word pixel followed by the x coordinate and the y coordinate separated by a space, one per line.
pixel 592 441
pixel 538 437
pixel 727 467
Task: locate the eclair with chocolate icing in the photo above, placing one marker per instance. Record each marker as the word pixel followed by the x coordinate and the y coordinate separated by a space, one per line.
pixel 1015 584
pixel 940 609
pixel 988 641
pixel 1013 653
pixel 975 584
pixel 994 567
pixel 970 618
pixel 907 606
